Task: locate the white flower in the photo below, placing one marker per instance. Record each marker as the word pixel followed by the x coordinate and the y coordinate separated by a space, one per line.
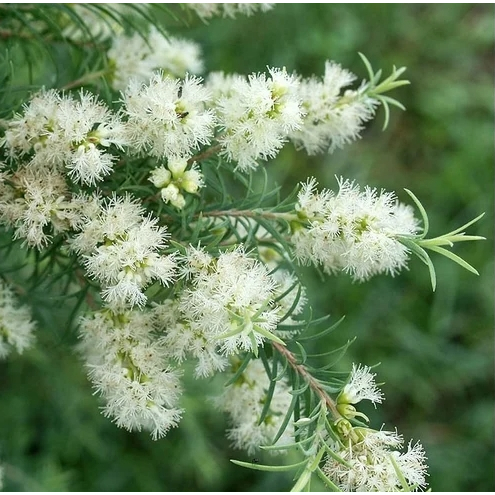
pixel 257 115
pixel 231 303
pixel 127 366
pixel 120 249
pixel 353 231
pixel 35 203
pixel 182 340
pixel 332 118
pixel 167 118
pixel 16 325
pixel 137 57
pixel 369 466
pixel 61 131
pixel 222 85
pixel 244 401
pixel 361 386
pixel 208 10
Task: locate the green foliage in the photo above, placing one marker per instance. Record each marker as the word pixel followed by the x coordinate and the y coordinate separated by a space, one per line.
pixel 437 349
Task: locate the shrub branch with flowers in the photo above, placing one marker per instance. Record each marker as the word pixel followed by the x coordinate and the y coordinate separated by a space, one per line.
pixel 139 179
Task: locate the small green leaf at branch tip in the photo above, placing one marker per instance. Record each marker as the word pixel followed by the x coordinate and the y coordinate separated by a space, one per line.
pixel 455 258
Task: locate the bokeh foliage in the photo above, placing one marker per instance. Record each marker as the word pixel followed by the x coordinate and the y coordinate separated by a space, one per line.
pixel 436 349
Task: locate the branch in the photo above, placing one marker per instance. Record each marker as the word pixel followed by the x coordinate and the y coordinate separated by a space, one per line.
pixel 313 383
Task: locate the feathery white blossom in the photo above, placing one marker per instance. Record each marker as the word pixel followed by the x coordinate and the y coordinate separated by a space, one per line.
pixel 244 401
pixel 256 116
pixel 58 131
pixel 332 118
pixel 231 302
pixel 35 204
pixel 167 118
pixel 137 57
pixel 183 340
pixel 368 462
pixel 208 10
pixel 222 85
pixel 128 368
pixel 120 248
pixel 16 325
pixel 361 386
pixel 355 231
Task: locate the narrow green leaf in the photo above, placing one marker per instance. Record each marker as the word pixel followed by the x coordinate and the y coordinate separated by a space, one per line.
pixel 322 333
pixel 304 354
pixel 387 113
pixel 424 215
pixel 465 226
pixel 300 390
pixel 288 446
pixel 399 474
pixel 333 487
pixel 240 370
pixel 271 389
pixel 454 257
pixel 264 467
pixel 336 457
pixel 367 65
pixel 286 420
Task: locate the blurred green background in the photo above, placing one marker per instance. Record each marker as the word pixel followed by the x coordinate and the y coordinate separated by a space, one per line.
pixel 436 349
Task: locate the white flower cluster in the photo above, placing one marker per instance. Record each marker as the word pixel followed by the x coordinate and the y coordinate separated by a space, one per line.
pixel 174 179
pixel 59 131
pixel 121 249
pixel 16 325
pixel 167 117
pixel 368 463
pixel 208 10
pixel 362 459
pixel 256 115
pixel 355 231
pixel 128 367
pixel 332 118
pixel 228 307
pixel 244 401
pixel 184 340
pixel 230 300
pixel 137 57
pixel 34 203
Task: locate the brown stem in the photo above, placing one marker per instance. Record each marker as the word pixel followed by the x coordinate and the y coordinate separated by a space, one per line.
pixel 84 79
pixel 249 214
pixel 90 301
pixel 313 383
pixel 205 154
